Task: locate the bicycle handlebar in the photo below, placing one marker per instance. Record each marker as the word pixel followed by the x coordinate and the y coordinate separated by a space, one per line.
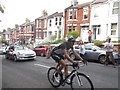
pixel 80 64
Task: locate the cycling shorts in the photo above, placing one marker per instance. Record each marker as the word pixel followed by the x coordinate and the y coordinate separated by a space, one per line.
pixel 57 57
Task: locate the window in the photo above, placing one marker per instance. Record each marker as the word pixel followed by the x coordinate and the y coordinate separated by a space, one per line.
pixel 55 32
pixel 45 23
pixel 69 28
pixel 60 21
pixel 56 19
pixel 45 34
pixel 85 13
pixel 50 23
pixel 40 23
pixel 37 23
pixel 115 8
pixel 96 12
pixel 74 28
pixel 50 33
pixel 99 31
pixel 113 28
pixel 70 13
pixel 37 35
pixel 75 13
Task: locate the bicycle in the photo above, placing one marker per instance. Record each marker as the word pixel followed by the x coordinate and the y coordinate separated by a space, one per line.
pixel 76 78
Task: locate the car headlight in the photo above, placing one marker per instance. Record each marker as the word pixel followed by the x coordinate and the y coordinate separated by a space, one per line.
pixel 19 54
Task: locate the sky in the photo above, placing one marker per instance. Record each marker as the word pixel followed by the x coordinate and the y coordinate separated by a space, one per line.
pixel 16 11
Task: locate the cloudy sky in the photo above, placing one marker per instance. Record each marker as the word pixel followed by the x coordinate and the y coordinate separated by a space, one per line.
pixel 17 10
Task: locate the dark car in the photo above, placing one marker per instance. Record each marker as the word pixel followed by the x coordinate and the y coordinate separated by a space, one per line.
pixel 94 53
pixel 41 50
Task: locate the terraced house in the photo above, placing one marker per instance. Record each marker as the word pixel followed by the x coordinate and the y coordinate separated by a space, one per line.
pixel 77 17
pixel 104 19
pixel 99 16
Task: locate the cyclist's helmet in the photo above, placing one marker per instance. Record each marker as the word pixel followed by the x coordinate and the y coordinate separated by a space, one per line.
pixel 71 39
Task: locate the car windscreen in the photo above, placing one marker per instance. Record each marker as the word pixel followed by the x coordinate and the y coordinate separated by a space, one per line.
pixel 21 48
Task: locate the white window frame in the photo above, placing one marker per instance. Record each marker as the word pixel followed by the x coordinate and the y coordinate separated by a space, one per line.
pixel 45 23
pixel 60 21
pixel 70 14
pixel 115 8
pixel 69 28
pixel 85 12
pixel 40 23
pixel 113 29
pixel 56 21
pixel 96 11
pixel 75 13
pixel 50 23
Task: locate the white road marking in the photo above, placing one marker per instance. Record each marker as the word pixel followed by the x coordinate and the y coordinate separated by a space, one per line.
pixel 42 65
pixel 46 66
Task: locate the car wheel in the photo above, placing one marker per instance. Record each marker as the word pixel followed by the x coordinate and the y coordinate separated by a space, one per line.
pixel 102 59
pixel 41 54
pixel 15 58
pixel 72 56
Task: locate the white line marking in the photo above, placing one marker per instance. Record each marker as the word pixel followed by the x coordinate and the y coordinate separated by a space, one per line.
pixel 47 67
pixel 42 65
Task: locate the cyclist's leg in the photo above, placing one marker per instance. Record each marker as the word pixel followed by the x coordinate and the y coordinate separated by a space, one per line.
pixel 64 65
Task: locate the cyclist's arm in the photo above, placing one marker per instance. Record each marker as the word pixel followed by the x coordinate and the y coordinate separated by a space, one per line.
pixel 49 54
pixel 77 55
pixel 68 57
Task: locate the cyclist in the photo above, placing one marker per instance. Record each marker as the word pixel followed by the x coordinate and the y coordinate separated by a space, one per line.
pixel 61 52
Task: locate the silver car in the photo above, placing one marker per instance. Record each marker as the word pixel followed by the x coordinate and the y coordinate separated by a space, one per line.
pixel 93 52
pixel 20 53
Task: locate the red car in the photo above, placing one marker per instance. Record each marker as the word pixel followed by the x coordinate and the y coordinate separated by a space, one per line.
pixel 41 50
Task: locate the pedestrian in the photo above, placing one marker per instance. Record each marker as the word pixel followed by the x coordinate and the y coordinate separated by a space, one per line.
pixel 81 48
pixel 109 51
pixel 49 51
pixel 89 36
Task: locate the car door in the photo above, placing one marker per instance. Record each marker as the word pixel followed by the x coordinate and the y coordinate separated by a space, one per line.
pixel 37 49
pixel 88 52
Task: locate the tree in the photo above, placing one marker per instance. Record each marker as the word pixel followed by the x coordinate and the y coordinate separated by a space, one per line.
pixel 74 33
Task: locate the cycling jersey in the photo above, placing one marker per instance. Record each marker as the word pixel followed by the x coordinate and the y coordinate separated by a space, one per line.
pixel 58 52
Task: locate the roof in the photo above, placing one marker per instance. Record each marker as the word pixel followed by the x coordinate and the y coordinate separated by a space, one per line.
pixel 55 15
pixel 99 1
pixel 84 4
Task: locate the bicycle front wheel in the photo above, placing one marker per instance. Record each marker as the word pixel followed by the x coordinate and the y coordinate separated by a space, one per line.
pixel 54 77
pixel 80 80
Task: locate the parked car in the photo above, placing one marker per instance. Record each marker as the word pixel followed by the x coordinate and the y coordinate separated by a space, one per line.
pixel 94 53
pixel 2 50
pixel 19 53
pixel 41 50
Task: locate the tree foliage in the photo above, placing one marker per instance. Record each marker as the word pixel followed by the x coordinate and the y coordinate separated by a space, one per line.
pixel 74 33
pixel 53 37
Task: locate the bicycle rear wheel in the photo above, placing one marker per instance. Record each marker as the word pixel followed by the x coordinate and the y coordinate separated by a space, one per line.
pixel 54 77
pixel 82 81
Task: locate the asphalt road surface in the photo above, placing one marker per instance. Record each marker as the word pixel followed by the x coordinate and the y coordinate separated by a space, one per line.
pixel 33 74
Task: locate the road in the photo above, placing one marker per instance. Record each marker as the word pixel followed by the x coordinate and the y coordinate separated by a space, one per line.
pixel 33 74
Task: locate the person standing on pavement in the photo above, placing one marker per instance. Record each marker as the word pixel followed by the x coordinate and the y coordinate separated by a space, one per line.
pixel 109 51
pixel 89 36
pixel 81 48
